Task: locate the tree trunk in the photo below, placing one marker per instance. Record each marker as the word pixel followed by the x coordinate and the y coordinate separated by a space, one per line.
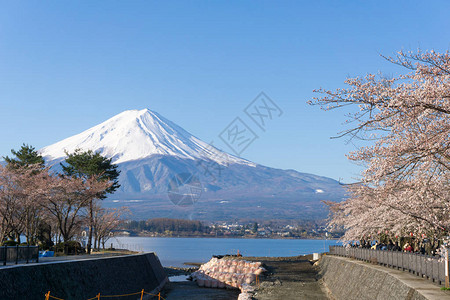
pixel 91 214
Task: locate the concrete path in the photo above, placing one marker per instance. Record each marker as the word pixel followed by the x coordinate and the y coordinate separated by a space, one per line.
pixel 44 260
pixel 78 257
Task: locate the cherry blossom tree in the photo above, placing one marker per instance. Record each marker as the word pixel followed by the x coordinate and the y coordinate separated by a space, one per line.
pixel 67 200
pixel 9 204
pixel 32 193
pixel 105 222
pixel 405 120
pixel 20 211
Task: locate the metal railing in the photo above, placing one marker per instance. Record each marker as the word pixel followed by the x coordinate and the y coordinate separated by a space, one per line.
pixel 426 266
pixel 18 254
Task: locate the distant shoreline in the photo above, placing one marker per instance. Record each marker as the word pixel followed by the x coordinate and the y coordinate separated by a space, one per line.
pixel 231 237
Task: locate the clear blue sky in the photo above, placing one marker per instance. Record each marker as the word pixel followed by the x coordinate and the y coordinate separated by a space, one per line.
pixel 68 65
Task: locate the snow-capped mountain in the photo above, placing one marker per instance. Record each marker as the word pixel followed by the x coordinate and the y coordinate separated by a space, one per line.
pixel 138 134
pixel 152 151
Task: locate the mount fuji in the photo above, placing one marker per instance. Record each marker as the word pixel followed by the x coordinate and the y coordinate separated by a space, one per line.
pixel 154 155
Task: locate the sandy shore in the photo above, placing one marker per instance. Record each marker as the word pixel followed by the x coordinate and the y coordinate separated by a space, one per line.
pixel 287 278
pixel 290 278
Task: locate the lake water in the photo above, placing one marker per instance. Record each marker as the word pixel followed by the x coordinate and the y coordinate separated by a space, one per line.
pixel 176 251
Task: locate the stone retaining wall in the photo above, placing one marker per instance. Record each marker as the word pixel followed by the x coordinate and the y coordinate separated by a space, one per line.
pixel 350 279
pixel 83 279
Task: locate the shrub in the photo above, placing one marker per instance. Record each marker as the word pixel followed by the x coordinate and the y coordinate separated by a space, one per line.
pixel 70 247
pixel 10 243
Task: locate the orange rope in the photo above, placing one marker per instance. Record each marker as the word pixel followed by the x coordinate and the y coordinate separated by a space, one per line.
pixel 159 295
pixel 114 296
pixel 47 295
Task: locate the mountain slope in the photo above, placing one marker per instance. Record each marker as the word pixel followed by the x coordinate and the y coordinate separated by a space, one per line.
pixel 137 134
pixel 151 151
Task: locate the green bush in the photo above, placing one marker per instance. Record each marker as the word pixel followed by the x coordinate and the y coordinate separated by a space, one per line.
pixel 10 243
pixel 46 246
pixel 70 247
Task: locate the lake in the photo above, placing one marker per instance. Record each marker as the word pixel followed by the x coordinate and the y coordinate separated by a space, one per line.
pixel 176 251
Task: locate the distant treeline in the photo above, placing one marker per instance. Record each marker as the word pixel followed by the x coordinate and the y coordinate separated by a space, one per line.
pixel 162 225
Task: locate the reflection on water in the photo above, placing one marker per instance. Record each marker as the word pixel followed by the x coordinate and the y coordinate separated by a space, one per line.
pixel 178 278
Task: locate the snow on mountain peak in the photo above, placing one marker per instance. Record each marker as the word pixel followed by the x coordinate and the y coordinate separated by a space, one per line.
pixel 137 134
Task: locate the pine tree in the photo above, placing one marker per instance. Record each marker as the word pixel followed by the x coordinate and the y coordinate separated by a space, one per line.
pixel 25 157
pixel 85 164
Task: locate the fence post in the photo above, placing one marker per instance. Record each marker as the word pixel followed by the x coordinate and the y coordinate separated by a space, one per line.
pixel 417 264
pixel 420 265
pixel 98 296
pixel 17 254
pixel 28 252
pixel 447 281
pixel 391 258
pixel 159 296
pixel 6 255
pixel 142 294
pixel 401 258
pixel 37 256
pixel 47 295
pixel 431 274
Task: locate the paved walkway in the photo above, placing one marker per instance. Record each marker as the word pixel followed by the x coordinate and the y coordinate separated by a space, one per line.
pixel 53 259
pixel 78 257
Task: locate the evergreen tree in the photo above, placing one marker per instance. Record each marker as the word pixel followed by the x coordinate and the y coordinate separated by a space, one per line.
pixel 84 164
pixel 26 156
pixel 87 163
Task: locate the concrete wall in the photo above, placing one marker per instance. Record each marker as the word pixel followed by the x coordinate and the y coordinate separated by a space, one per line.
pixel 350 279
pixel 83 279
